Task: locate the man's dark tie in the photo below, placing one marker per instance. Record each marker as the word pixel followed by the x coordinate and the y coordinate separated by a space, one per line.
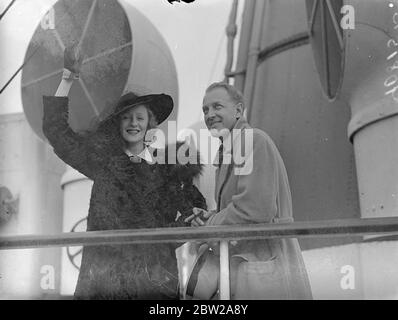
pixel 220 154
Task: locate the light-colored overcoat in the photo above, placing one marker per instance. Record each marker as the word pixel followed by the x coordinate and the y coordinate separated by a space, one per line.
pixel 256 190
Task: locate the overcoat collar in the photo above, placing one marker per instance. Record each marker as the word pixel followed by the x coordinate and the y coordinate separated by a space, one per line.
pixel 240 124
pixel 140 178
pixel 143 178
pixel 222 171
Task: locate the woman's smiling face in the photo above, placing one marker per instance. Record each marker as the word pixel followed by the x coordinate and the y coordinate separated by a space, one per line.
pixel 134 124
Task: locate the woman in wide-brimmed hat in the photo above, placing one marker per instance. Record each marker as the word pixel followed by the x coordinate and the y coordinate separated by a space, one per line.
pixel 129 192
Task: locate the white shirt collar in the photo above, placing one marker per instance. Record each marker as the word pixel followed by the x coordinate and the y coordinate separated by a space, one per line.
pixel 228 142
pixel 144 154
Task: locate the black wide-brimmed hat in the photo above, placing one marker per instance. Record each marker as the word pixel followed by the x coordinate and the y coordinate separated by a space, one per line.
pixel 160 104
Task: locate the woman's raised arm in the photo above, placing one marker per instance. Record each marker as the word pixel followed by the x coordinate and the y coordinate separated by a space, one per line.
pixel 70 146
pixel 73 60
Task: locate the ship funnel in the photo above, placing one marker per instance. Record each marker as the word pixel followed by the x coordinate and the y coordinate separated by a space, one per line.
pixel 370 86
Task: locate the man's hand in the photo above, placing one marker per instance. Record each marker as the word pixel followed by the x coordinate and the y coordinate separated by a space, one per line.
pixel 73 59
pixel 199 217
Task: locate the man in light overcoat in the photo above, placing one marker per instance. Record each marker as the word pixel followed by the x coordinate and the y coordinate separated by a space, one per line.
pixel 252 187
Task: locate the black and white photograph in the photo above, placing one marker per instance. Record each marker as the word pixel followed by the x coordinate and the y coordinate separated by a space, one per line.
pixel 198 151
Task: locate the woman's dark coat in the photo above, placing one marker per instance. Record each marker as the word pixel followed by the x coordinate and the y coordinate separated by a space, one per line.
pixel 125 195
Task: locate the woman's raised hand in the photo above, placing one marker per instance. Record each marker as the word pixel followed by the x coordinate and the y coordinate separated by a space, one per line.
pixel 73 59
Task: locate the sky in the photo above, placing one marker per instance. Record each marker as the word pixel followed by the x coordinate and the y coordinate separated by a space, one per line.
pixel 195 34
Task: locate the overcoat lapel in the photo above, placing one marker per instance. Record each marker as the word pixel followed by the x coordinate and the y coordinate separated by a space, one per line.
pixel 224 171
pixel 221 176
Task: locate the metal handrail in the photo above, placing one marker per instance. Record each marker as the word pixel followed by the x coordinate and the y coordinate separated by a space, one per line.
pixel 329 228
pixel 326 228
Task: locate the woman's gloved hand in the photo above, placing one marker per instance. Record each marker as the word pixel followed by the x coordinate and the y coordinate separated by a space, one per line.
pixel 73 59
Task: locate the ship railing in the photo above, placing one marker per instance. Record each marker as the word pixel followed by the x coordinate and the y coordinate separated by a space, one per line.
pixel 223 234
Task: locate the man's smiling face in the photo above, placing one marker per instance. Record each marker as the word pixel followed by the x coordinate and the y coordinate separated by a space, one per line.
pixel 220 111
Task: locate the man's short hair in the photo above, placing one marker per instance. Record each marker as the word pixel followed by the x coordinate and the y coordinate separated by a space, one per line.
pixel 234 93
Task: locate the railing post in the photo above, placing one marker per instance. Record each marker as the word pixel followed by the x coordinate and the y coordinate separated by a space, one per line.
pixel 224 271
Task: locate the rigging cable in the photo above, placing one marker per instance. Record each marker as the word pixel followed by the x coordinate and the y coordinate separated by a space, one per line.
pixel 6 9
